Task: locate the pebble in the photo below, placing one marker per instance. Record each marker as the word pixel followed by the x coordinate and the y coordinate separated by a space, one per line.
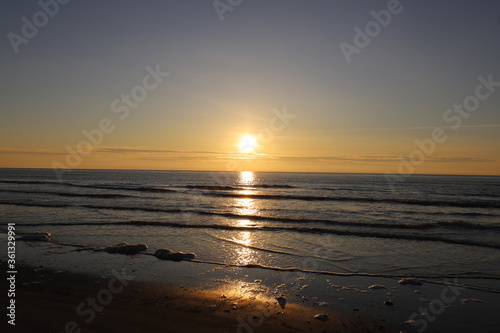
pixel 281 301
pixel 321 316
pixel 410 281
pixel 376 286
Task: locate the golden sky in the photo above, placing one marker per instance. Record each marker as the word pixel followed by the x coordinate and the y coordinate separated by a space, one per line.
pixel 170 86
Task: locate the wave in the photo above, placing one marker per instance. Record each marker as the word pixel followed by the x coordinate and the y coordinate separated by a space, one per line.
pixel 308 230
pixel 354 190
pixel 420 226
pixel 440 203
pixel 31 182
pixel 139 189
pixel 375 190
pixel 450 213
pixel 213 191
pixel 94 186
pixel 432 279
pixel 211 187
pixel 270 186
pixel 255 247
pixel 489 195
pixel 423 278
pixel 235 187
pixel 146 188
pixel 63 205
pixel 275 251
pixel 67 194
pixel 35 182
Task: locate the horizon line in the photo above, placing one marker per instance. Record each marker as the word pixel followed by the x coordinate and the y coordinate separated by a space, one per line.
pixel 317 172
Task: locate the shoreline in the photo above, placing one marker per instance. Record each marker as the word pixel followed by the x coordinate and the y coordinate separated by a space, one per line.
pixel 61 301
pixel 52 281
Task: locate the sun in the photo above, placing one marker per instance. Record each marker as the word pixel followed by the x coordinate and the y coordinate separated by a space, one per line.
pixel 248 143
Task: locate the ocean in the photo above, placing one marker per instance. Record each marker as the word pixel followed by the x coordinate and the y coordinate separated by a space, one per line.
pixel 426 226
pixel 345 242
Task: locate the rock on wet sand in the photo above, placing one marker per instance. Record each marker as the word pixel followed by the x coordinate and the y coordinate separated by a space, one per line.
pixel 37 237
pixel 167 254
pixel 471 300
pixel 410 281
pixel 376 286
pixel 125 248
pixel 281 301
pixel 321 316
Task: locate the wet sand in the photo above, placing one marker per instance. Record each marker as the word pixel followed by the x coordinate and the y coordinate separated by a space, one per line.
pixel 61 301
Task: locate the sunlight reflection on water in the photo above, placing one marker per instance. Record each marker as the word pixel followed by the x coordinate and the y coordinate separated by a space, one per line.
pixel 246 178
pixel 245 206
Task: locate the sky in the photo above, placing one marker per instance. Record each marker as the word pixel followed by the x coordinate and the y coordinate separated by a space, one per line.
pixel 309 86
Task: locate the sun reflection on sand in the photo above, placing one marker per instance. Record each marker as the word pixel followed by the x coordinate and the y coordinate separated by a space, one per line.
pixel 234 288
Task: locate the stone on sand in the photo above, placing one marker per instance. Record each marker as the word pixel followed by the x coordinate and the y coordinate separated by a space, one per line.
pixel 321 316
pixel 410 281
pixel 125 248
pixel 37 237
pixel 281 301
pixel 376 286
pixel 166 254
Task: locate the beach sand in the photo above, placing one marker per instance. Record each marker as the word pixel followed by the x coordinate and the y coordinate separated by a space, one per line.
pixel 48 301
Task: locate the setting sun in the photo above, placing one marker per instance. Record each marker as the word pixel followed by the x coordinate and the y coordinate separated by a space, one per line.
pixel 248 143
